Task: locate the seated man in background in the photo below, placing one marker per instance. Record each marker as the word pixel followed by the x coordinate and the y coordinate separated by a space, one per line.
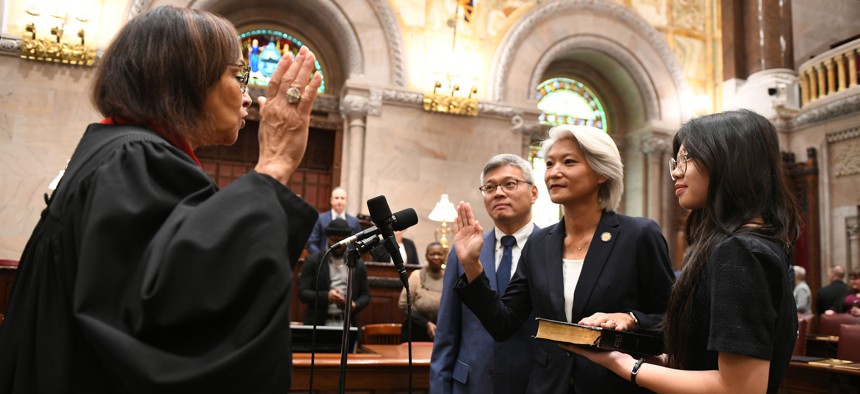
pixel 322 285
pixel 832 296
pixel 425 285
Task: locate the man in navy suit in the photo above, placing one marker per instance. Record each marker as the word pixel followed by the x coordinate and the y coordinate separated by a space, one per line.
pixel 465 358
pixel 317 241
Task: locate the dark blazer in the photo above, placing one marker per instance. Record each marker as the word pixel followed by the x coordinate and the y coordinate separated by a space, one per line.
pixel 381 254
pixel 832 297
pixel 318 242
pixel 626 269
pixel 465 357
pixel 308 290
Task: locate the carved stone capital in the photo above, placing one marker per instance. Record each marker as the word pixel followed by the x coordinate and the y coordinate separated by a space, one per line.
pixel 519 124
pixel 656 145
pixel 360 105
pixel 10 46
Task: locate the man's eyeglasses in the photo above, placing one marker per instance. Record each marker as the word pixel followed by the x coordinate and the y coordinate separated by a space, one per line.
pixel 682 165
pixel 508 186
pixel 244 77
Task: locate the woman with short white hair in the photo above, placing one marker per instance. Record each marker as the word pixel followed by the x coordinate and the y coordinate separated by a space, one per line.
pixel 594 267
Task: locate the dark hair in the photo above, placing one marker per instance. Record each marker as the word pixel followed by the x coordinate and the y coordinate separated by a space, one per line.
pixel 434 243
pixel 161 66
pixel 739 150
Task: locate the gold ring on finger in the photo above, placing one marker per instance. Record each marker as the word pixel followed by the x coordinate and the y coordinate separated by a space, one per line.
pixel 294 95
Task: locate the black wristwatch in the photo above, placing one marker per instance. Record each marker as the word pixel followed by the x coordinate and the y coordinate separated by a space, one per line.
pixel 636 370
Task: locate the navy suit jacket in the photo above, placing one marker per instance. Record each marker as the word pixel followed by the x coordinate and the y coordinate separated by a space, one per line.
pixel 465 357
pixel 626 269
pixel 318 242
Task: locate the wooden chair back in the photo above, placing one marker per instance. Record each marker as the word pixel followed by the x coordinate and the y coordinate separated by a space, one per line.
pixel 830 323
pixel 381 334
pixel 800 343
pixel 849 342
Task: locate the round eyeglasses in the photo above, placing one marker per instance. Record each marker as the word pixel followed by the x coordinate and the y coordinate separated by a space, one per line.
pixel 681 165
pixel 508 186
pixel 244 77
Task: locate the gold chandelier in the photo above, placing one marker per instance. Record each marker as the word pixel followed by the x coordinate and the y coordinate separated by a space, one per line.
pixel 52 48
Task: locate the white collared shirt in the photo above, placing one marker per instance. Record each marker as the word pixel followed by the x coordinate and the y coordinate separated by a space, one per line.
pixel 335 215
pixel 522 235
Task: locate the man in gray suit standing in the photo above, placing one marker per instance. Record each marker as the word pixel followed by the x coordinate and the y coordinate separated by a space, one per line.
pixel 465 358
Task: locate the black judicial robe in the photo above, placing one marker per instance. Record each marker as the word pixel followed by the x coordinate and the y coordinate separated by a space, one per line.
pixel 143 277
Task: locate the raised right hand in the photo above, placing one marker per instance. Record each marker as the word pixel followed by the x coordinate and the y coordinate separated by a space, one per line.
pixel 283 132
pixel 468 241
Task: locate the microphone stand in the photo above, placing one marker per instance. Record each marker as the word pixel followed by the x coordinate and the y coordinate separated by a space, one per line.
pixel 391 245
pixel 352 255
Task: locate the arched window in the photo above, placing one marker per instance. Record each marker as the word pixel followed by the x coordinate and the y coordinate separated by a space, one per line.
pixel 566 101
pixel 262 48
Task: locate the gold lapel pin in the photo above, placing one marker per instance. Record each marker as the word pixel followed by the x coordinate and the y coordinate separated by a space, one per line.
pixel 605 237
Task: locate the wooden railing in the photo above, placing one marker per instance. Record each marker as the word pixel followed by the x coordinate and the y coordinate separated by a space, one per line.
pixel 829 73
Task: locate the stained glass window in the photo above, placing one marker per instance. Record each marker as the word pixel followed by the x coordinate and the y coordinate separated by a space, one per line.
pixel 566 101
pixel 262 48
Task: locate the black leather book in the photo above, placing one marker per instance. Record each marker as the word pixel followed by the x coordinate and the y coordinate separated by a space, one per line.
pixel 599 338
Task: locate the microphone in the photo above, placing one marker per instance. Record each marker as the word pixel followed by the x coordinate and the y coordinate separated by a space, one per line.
pixel 400 221
pixel 387 223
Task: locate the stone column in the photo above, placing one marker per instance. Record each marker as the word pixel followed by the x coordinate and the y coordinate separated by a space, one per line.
pixel 355 106
pixel 821 85
pixel 813 84
pixel 831 76
pixel 852 68
pixel 655 149
pixel 757 36
pixel 840 72
pixel 660 205
pixel 852 230
pixel 804 89
pixel 758 54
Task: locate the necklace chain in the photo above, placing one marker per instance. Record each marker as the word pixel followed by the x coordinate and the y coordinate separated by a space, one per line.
pixel 582 245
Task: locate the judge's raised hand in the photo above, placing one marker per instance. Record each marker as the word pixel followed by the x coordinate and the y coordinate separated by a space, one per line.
pixel 468 241
pixel 285 114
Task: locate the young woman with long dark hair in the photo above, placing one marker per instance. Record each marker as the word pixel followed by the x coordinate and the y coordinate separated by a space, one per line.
pixel 731 322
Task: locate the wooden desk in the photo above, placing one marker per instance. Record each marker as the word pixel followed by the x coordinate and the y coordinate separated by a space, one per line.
pixel 821 346
pixel 380 369
pixel 805 378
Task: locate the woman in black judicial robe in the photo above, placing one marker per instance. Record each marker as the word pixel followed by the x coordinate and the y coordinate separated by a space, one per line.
pixel 142 276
